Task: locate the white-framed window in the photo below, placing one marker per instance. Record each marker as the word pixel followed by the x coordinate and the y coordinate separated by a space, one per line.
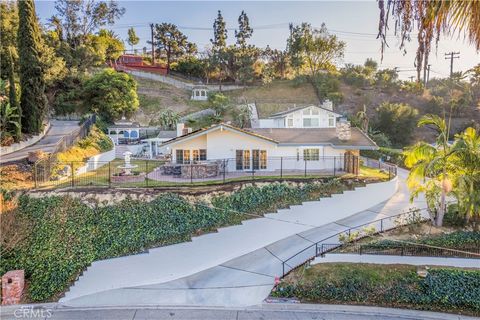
pixel 311 154
pixel 310 122
pixel 315 112
pixel 289 122
pixel 306 112
pixel 331 120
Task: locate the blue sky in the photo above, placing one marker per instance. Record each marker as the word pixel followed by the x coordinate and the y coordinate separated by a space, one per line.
pixel 355 22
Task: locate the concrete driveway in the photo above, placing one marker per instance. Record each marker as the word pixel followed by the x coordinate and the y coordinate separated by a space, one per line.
pixel 57 131
pixel 236 266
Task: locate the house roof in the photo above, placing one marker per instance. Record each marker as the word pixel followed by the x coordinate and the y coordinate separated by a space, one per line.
pixel 213 128
pixel 284 113
pixel 316 136
pixel 167 134
pixel 293 136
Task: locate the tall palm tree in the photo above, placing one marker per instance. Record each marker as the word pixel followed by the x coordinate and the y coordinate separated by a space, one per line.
pixel 431 18
pixel 430 168
pixel 466 159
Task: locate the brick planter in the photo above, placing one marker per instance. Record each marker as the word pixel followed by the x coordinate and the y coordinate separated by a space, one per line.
pixel 129 178
pixel 13 283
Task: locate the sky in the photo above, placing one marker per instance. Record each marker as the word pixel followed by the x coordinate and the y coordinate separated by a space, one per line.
pixel 355 22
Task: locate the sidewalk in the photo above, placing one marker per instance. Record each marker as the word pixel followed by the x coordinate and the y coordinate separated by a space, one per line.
pixel 264 312
pixel 416 261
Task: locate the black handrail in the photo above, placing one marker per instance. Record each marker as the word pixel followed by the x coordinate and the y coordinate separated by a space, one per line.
pixel 346 231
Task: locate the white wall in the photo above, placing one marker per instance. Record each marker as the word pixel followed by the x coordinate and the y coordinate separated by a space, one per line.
pixel 222 144
pixel 297 117
pixel 97 161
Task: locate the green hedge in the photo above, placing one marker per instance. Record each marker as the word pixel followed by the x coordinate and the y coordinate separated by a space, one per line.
pixel 390 155
pixel 66 235
pixel 442 289
pixel 457 239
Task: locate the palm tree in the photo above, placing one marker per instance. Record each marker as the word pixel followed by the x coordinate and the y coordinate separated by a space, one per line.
pixel 466 159
pixel 9 120
pixel 430 168
pixel 431 17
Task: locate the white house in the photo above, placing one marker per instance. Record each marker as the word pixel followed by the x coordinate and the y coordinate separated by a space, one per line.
pixel 303 117
pixel 269 149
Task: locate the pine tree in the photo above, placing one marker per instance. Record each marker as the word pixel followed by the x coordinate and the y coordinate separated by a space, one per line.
pixel 33 101
pixel 244 30
pixel 219 40
pixel 132 39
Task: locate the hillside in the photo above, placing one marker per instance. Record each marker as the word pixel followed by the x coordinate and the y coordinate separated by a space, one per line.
pixel 155 96
pixel 282 95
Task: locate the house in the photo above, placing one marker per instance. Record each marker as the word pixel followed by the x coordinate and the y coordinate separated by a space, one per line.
pixel 303 117
pixel 271 149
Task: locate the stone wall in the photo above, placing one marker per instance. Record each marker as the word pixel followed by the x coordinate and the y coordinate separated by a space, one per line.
pixel 344 131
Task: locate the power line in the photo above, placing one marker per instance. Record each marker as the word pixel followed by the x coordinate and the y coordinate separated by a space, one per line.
pixel 452 55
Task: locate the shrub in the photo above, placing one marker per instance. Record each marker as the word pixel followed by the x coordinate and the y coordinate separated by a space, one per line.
pixel 442 289
pixel 397 121
pixel 64 235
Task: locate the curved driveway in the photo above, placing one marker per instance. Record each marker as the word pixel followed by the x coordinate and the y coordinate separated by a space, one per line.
pixel 57 131
pixel 210 277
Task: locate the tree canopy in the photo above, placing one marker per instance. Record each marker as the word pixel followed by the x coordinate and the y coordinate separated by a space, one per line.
pixel 111 95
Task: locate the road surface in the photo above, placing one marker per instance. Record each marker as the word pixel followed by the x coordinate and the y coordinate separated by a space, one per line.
pixel 57 131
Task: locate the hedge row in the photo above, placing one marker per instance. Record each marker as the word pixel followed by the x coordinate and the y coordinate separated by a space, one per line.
pixel 390 155
pixel 442 289
pixel 64 235
pixel 457 239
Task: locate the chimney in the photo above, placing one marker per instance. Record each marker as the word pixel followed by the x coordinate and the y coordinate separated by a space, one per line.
pixel 344 132
pixel 327 104
pixel 180 129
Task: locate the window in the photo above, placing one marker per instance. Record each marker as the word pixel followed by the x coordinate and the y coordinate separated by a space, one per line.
pixel 311 154
pixel 195 155
pixel 289 122
pixel 239 159
pixel 310 122
pixel 186 156
pixel 263 159
pixel 331 120
pixel 306 112
pixel 179 156
pixel 203 154
pixel 246 159
pixel 315 112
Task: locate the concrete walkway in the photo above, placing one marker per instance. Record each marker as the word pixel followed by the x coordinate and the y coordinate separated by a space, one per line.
pixel 260 312
pixel 57 131
pixel 416 261
pixel 237 265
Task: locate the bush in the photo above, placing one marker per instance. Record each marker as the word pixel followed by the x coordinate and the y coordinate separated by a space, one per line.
pixel 386 154
pixel 397 121
pixel 442 289
pixel 65 235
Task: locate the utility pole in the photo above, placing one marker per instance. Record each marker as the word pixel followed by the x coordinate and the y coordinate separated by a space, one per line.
pixel 153 44
pixel 428 73
pixel 452 55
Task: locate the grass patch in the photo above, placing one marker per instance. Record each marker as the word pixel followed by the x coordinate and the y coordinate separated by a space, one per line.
pixel 444 289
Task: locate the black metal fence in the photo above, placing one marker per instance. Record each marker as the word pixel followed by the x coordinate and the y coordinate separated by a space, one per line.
pixel 401 249
pixel 43 168
pixel 157 173
pixel 354 233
